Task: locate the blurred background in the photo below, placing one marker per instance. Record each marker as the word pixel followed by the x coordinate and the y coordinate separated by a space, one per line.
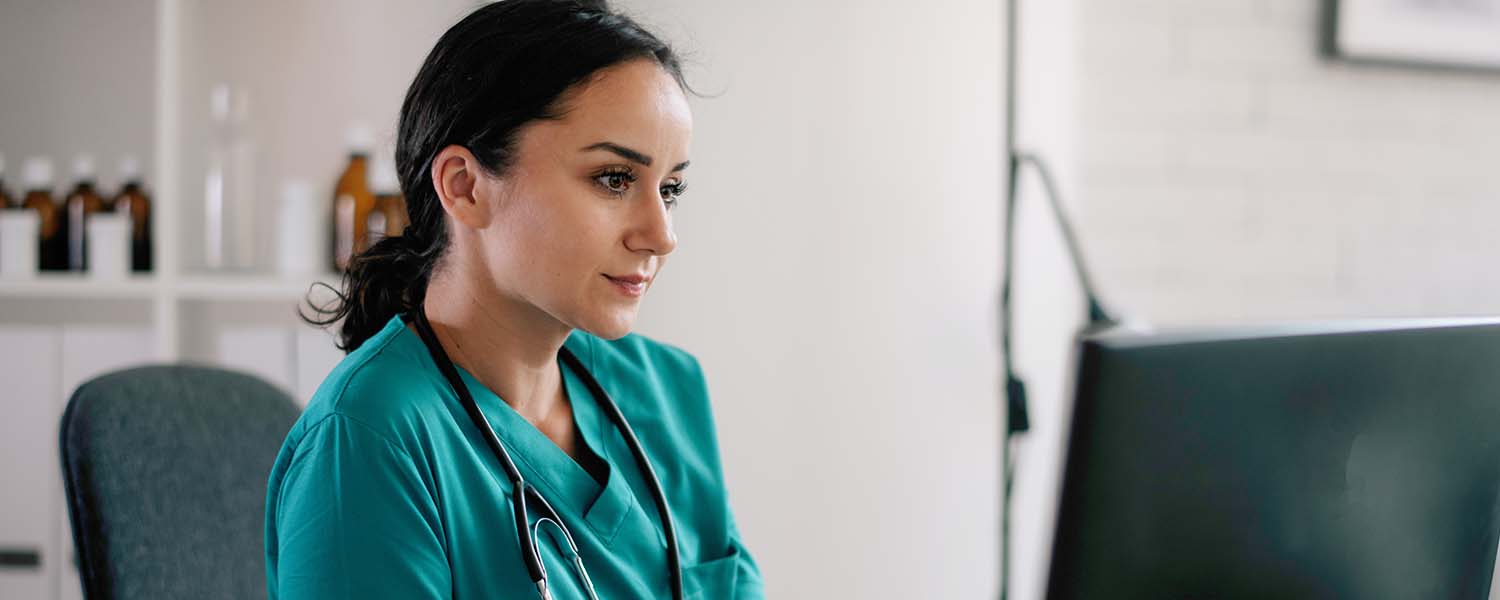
pixel 840 257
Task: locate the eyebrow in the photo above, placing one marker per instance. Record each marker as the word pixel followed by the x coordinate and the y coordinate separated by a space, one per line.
pixel 630 155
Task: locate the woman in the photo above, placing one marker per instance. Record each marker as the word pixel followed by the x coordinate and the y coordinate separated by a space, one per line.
pixel 542 148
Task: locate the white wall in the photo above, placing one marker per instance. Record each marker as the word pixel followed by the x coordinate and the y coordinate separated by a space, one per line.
pixel 68 70
pixel 1229 173
pixel 837 275
pixel 311 70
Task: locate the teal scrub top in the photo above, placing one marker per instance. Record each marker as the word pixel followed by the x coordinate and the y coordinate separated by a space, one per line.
pixel 385 489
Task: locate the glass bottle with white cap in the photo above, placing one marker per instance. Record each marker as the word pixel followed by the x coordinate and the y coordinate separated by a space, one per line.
pixel 18 235
pixel 82 203
pixel 133 202
pixel 52 245
pixel 6 201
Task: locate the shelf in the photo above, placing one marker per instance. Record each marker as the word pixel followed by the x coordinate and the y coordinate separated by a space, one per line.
pixel 227 287
pixel 249 287
pixel 81 286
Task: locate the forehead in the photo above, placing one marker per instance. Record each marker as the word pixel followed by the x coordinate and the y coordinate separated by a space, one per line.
pixel 636 104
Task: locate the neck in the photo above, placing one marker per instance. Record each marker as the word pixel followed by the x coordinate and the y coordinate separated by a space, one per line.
pixel 507 344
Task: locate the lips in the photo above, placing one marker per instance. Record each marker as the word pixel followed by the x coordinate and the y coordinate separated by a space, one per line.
pixel 634 279
pixel 631 286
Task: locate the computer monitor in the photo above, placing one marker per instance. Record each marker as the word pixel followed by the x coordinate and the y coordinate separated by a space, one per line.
pixel 1357 460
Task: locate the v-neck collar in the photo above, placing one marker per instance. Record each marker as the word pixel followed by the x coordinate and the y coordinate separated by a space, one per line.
pixel 529 446
pixel 565 483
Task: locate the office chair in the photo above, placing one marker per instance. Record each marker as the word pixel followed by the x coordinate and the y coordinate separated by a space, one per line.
pixel 165 469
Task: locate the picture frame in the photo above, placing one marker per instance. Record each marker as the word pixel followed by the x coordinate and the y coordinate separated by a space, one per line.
pixel 1444 34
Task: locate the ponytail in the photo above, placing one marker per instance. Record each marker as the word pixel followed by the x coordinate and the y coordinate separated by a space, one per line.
pixel 387 280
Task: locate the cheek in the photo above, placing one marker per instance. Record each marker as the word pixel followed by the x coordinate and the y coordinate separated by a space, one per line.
pixel 552 238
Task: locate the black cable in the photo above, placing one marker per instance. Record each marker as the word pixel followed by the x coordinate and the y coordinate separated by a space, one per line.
pixel 1014 394
pixel 1018 418
pixel 1096 316
pixel 1015 391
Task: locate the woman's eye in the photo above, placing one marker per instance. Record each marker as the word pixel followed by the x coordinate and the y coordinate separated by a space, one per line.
pixel 670 193
pixel 617 182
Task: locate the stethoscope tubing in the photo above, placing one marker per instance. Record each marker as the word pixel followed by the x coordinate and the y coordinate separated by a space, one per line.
pixel 520 487
pixel 669 527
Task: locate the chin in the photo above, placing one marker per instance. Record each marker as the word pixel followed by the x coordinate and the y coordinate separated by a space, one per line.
pixel 612 327
pixel 609 333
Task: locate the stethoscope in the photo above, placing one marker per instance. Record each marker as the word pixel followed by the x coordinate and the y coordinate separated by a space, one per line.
pixel 521 490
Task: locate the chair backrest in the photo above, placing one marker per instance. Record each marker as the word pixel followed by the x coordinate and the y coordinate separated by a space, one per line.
pixel 165 469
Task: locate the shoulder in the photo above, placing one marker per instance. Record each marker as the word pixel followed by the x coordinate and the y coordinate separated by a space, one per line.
pixel 636 351
pixel 661 390
pixel 382 386
pixel 636 360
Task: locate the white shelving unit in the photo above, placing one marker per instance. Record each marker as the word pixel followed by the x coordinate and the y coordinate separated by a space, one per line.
pixel 67 293
pixel 140 286
pixel 313 69
pixel 69 296
pixel 68 285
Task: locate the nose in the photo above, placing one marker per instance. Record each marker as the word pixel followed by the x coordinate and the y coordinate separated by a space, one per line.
pixel 651 229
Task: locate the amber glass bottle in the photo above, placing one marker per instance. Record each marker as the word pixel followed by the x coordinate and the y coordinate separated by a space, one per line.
pixel 389 217
pixel 83 202
pixel 135 204
pixel 6 201
pixel 52 245
pixel 393 208
pixel 352 201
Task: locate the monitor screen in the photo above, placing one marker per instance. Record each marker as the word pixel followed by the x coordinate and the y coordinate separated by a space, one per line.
pixel 1321 461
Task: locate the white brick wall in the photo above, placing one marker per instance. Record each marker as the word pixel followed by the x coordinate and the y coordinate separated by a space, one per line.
pixel 1228 172
pixel 1221 170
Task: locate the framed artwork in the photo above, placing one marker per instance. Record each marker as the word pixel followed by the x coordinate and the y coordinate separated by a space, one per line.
pixel 1462 34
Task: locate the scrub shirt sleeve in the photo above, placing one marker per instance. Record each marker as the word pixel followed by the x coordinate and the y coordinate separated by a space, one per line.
pixel 356 520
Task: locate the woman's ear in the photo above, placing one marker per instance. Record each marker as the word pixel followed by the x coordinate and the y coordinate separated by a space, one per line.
pixel 456 177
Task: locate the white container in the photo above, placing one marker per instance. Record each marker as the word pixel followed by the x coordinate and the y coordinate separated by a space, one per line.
pixel 109 246
pixel 19 232
pixel 301 247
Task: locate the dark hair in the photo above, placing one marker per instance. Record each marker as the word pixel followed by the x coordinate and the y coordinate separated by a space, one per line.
pixel 505 65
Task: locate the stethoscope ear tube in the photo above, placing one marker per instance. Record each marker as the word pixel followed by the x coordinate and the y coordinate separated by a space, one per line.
pixel 518 484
